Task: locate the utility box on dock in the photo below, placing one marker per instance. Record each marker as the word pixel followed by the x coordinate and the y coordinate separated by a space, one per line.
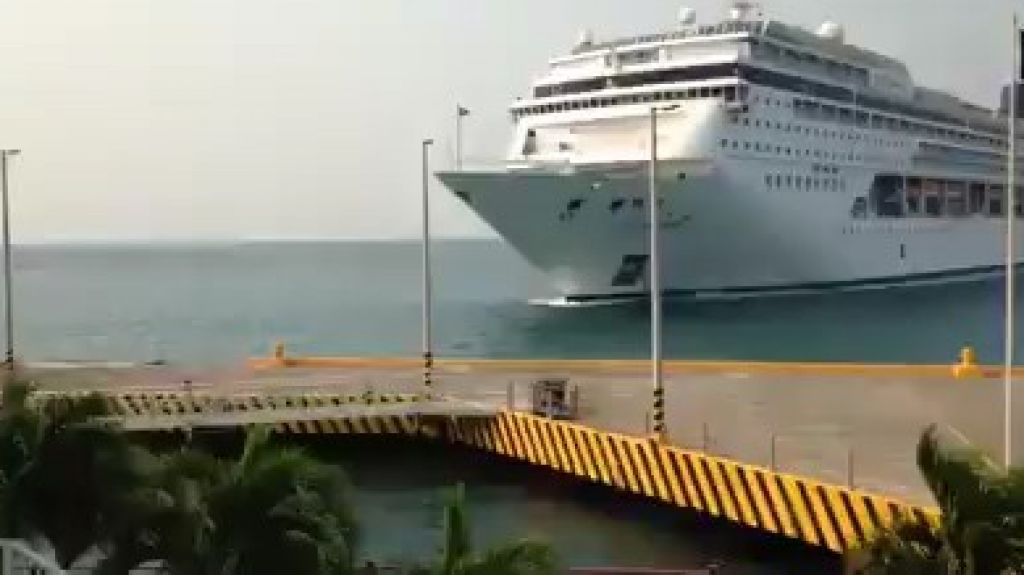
pixel 554 398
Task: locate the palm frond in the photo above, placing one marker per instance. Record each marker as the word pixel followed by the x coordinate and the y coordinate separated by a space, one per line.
pixel 457 542
pixel 521 558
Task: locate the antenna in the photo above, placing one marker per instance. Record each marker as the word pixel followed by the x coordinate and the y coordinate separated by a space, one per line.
pixel 744 10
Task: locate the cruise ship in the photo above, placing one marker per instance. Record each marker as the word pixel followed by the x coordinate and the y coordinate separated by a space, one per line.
pixel 787 159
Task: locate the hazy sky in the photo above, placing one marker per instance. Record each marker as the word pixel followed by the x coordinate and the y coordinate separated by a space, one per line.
pixel 216 119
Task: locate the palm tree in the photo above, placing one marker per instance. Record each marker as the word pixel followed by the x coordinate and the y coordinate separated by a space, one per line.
pixel 981 530
pixel 21 430
pixel 275 510
pixel 281 511
pixel 457 557
pixel 81 477
pixel 169 520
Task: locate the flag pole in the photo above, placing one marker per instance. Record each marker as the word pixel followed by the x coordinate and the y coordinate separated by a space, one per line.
pixel 459 113
pixel 1011 216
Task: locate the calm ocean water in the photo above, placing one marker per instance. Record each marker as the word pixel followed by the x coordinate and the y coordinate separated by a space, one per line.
pixel 210 304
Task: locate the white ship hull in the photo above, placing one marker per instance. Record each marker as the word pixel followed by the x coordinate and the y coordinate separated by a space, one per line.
pixel 721 232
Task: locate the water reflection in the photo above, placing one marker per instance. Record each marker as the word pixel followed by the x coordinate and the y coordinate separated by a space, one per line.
pixel 401 488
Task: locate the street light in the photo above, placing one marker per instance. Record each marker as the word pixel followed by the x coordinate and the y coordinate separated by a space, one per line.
pixel 1011 215
pixel 428 357
pixel 8 305
pixel 658 413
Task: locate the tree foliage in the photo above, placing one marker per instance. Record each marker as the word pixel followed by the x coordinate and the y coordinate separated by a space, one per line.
pixel 457 555
pixel 981 529
pixel 72 483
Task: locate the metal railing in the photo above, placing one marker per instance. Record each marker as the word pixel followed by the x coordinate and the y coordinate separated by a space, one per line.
pixel 17 558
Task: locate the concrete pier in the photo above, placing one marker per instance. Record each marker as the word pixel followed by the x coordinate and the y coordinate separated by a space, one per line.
pixel 844 433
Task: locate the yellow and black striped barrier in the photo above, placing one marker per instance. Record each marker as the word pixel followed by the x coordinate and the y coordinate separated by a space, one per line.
pixel 146 405
pixel 830 516
pixel 361 425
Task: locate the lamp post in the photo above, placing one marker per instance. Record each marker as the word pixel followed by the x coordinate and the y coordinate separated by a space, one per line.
pixel 428 358
pixel 658 412
pixel 1011 215
pixel 8 303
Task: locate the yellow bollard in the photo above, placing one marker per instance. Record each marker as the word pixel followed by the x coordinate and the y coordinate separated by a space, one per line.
pixel 968 366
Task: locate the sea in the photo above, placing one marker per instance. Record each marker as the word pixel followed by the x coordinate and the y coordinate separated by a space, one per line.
pixel 217 304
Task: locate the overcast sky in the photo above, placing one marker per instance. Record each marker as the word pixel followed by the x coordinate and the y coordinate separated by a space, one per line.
pixel 217 119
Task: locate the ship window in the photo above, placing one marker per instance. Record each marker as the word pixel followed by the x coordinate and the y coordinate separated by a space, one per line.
pixel 691 93
pixel 746 145
pixel 638 202
pixel 995 201
pixel 724 142
pixel 746 121
pixel 757 123
pixel 789 151
pixel 778 180
pixel 768 180
pixel 789 180
pixel 735 144
pixel 616 205
pixel 798 182
pixel 730 93
pixel 705 92
pixel 716 92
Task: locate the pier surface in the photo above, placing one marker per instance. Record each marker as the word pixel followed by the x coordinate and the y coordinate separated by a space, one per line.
pixel 839 423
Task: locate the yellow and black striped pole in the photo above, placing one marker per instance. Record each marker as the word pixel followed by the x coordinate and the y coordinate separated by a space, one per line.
pixel 658 415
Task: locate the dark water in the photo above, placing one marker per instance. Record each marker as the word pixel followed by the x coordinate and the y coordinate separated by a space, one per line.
pixel 218 303
pixel 400 487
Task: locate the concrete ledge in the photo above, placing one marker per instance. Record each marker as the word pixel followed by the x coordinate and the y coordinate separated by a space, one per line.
pixel 945 371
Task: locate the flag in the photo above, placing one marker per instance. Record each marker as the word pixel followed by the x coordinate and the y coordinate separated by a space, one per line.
pixel 462 111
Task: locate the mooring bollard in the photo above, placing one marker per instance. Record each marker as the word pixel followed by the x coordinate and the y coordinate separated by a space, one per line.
pixel 510 395
pixel 774 448
pixel 705 436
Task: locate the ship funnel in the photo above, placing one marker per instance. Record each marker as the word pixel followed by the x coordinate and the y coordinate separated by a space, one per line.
pixel 686 17
pixel 831 31
pixel 585 38
pixel 744 10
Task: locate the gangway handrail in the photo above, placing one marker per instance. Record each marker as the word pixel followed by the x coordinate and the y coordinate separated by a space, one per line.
pixel 11 548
